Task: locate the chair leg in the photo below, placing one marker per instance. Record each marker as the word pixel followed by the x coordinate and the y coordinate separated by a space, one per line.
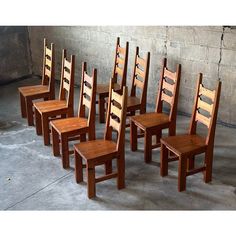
pixel 182 171
pixel 91 134
pixel 133 136
pixel 190 163
pixel 83 137
pixel 91 181
pixel 108 167
pixel 22 106
pixel 38 122
pixel 29 111
pixel 78 167
pixel 158 136
pixel 101 108
pixel 164 160
pixel 121 171
pixel 45 127
pixel 65 152
pixel 147 147
pixel 55 143
pixel 208 163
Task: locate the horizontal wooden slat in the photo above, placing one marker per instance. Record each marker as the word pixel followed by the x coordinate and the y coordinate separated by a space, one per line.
pixel 67 64
pixel 168 86
pixel 116 111
pixel 120 61
pixel 88 91
pixel 205 106
pixel 66 86
pixel 170 75
pixel 48 62
pixel 206 92
pixel 141 61
pixel 105 177
pixel 86 102
pixel 48 52
pixel 139 72
pixel 117 97
pixel 204 120
pixel 87 78
pixel 114 124
pixel 119 71
pixel 194 171
pixel 121 50
pixel 47 72
pixel 67 75
pixel 166 98
pixel 138 83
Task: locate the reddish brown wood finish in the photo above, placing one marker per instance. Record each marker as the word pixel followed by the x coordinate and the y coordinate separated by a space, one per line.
pixel 62 107
pixel 119 71
pixel 103 151
pixel 46 90
pixel 152 123
pixel 187 146
pixel 74 128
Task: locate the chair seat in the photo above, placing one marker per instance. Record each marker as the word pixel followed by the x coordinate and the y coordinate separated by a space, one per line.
pixel 51 105
pixel 91 150
pixel 185 144
pixel 104 88
pixel 69 124
pixel 151 120
pixel 33 90
pixel 132 102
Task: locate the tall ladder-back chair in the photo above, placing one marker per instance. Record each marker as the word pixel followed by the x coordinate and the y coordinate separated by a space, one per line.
pixel 185 147
pixel 63 107
pixel 119 74
pixel 152 123
pixel 139 81
pixel 46 90
pixel 74 128
pixel 103 151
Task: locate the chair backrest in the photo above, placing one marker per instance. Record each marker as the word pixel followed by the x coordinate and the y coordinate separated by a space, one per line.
pixel 205 109
pixel 116 115
pixel 88 95
pixel 67 79
pixel 140 76
pixel 120 64
pixel 48 75
pixel 169 89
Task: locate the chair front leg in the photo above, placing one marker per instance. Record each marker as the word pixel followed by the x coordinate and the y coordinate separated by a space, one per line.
pixel 55 143
pixel 121 171
pixel 38 122
pixel 78 167
pixel 65 152
pixel 29 111
pixel 46 131
pixel 22 106
pixel 133 136
pixel 91 186
pixel 164 160
pixel 182 173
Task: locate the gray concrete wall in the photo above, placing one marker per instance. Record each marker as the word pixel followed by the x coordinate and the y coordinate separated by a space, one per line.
pixel 210 50
pixel 14 53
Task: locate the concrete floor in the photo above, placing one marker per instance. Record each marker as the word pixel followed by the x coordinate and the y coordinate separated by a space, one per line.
pixel 31 178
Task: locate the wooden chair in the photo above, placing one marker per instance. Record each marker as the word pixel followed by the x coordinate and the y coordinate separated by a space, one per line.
pixel 46 90
pixel 74 128
pixel 103 151
pixel 119 71
pixel 152 123
pixel 185 147
pixel 48 110
pixel 139 80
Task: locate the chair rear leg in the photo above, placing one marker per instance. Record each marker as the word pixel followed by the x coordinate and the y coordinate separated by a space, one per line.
pixel 55 143
pixel 22 106
pixel 147 147
pixel 65 152
pixel 29 111
pixel 208 163
pixel 78 167
pixel 121 171
pixel 182 171
pixel 38 122
pixel 108 167
pixel 164 160
pixel 133 136
pixel 101 108
pixel 191 163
